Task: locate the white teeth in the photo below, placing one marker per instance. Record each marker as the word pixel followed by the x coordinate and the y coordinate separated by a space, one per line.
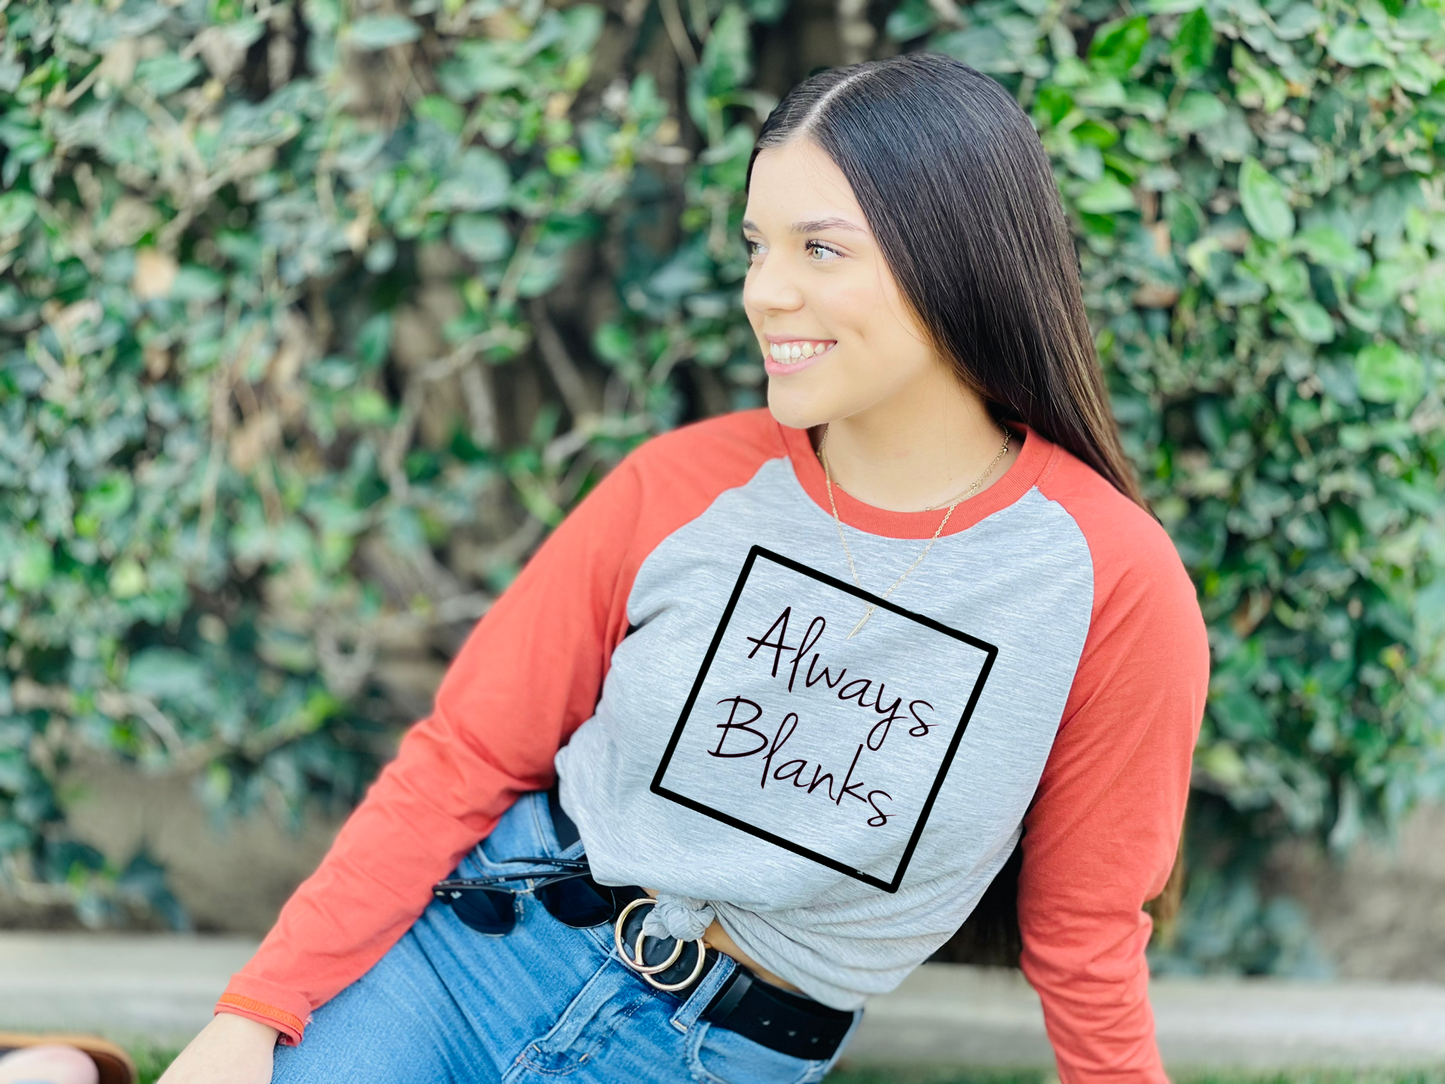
pixel 796 351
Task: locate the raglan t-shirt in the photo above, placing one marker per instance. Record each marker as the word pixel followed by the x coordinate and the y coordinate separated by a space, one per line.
pixel 835 776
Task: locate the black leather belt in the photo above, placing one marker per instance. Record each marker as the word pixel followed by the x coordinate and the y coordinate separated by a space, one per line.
pixel 790 1023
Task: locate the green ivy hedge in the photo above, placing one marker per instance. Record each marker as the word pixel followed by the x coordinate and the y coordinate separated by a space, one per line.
pixel 315 316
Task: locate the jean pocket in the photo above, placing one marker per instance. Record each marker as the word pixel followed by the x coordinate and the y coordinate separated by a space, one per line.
pixel 718 1055
pixel 485 860
pixel 515 834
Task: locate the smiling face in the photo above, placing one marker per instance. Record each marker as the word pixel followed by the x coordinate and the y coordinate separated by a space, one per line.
pixel 837 336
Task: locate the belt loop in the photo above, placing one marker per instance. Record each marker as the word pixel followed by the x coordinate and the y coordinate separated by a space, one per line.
pixel 547 807
pixel 703 993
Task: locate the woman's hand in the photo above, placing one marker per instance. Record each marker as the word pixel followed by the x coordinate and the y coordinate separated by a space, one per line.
pixel 230 1049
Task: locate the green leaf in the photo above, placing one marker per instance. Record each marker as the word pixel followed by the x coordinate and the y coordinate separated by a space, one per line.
pixel 981 47
pixel 1419 72
pixel 1241 716
pixel 726 62
pixel 1387 374
pixel 1430 304
pixel 563 161
pixel 1417 23
pixel 1356 46
pixel 373 340
pixel 442 111
pixel 767 11
pixel 1265 202
pixel 374 32
pixel 1193 48
pixel 1232 140
pixel 1197 111
pixel 479 67
pixel 911 19
pixel 127 578
pixel 112 497
pixel 168 674
pixel 1096 133
pixel 1299 21
pixel 1105 196
pixel 1052 102
pixel 1117 46
pixel 31 565
pixel 166 74
pixel 482 237
pixel 1145 102
pixel 1329 248
pixel 615 345
pixel 1382 284
pixel 370 407
pixel 1185 217
pixel 1144 141
pixel 1310 319
pixel 583 24
pixel 540 274
pixel 16 211
pixel 1258 87
pixel 479 181
pixel 1102 92
pixel 1288 278
pixel 194 283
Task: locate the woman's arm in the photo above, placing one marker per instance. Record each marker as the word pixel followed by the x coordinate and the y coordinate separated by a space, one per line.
pixel 1102 834
pixel 229 1050
pixel 528 675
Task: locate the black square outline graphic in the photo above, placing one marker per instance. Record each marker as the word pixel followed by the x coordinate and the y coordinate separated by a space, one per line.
pixel 990 652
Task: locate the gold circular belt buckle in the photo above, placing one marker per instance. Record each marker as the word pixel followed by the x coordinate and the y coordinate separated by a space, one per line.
pixel 635 960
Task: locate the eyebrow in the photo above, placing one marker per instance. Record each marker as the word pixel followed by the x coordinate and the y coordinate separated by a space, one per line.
pixel 815 225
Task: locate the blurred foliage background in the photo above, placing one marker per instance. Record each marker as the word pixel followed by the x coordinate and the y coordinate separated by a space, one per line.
pixel 315 316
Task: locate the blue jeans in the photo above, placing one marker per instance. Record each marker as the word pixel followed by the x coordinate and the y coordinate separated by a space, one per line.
pixel 447 1004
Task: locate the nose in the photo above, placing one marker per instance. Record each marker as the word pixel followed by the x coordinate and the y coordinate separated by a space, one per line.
pixel 770 288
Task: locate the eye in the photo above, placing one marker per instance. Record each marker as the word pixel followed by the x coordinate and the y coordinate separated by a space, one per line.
pixel 755 248
pixel 822 253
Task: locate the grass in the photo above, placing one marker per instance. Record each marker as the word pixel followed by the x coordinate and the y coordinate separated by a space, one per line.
pixel 152 1062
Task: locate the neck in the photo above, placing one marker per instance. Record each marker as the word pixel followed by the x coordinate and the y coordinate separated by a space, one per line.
pixel 921 447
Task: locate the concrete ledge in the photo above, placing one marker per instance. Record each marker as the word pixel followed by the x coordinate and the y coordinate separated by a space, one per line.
pixel 968 1016
pixel 160 989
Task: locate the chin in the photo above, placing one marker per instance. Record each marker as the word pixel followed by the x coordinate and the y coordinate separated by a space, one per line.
pixel 794 409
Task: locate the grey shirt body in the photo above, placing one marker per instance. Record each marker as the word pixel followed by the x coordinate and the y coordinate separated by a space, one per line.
pixel 839 804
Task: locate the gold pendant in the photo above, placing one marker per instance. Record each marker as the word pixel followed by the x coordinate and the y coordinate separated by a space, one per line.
pixel 866 615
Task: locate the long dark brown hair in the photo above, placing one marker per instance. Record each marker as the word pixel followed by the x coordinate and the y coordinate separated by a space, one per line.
pixel 959 192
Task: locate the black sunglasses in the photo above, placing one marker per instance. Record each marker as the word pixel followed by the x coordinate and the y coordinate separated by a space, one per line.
pixel 567 890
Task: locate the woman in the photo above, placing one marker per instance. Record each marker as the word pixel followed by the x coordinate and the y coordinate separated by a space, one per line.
pixel 805 675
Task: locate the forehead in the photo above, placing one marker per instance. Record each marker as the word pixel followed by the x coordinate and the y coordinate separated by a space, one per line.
pixel 798 181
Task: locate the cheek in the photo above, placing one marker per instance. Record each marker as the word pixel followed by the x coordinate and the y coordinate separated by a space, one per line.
pixel 852 310
pixel 887 349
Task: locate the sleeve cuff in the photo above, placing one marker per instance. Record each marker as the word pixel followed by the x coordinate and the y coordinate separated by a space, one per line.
pixel 268 1003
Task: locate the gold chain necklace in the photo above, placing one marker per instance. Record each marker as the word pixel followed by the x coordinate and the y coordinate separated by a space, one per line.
pixel 853 568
